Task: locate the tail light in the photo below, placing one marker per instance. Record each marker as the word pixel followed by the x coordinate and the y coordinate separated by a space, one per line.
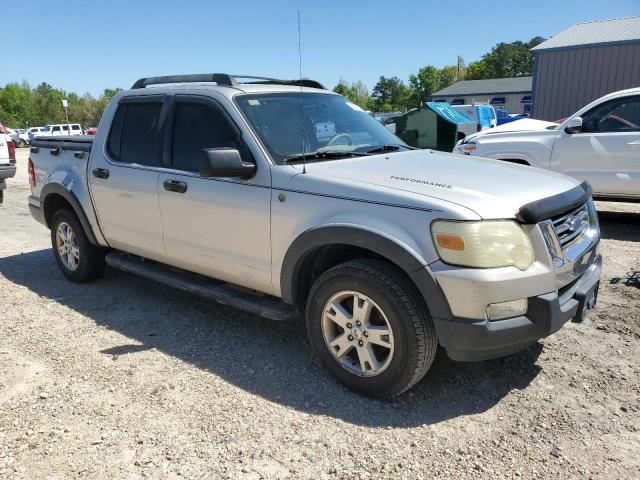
pixel 32 174
pixel 12 152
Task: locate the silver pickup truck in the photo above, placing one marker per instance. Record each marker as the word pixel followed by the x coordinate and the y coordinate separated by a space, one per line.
pixel 283 199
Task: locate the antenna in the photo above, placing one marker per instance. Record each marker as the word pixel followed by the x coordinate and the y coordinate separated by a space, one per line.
pixel 304 163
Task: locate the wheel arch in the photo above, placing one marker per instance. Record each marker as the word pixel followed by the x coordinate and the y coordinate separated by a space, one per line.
pixel 335 244
pixel 519 161
pixel 54 197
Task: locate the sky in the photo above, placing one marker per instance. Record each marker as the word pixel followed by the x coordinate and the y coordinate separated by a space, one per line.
pixel 84 46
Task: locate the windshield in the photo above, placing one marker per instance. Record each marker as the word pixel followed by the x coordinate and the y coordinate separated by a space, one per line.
pixel 292 125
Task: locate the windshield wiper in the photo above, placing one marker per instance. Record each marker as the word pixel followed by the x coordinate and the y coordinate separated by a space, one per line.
pixel 391 147
pixel 324 155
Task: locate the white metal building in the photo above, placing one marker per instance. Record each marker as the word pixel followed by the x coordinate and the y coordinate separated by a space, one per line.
pixel 511 94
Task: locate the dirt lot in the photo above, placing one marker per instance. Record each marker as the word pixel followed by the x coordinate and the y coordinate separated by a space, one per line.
pixel 124 378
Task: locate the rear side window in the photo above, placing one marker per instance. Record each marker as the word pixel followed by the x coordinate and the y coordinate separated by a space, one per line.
pixel 197 126
pixel 134 137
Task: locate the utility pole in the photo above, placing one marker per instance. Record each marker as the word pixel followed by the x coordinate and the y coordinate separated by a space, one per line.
pixel 65 104
pixel 459 67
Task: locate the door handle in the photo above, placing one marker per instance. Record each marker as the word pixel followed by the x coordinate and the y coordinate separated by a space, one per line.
pixel 100 173
pixel 635 144
pixel 175 186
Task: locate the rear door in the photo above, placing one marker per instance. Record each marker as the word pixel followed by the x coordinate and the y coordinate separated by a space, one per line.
pixel 124 177
pixel 219 227
pixel 607 150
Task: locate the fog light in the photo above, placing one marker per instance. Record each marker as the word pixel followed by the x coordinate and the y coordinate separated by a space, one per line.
pixel 502 310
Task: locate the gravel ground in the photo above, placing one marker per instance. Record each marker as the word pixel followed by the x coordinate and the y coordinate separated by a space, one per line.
pixel 124 378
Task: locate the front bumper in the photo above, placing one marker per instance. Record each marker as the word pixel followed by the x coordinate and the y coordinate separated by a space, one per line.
pixel 473 340
pixel 7 171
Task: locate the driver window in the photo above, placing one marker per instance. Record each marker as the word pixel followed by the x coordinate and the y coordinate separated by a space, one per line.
pixel 197 126
pixel 620 115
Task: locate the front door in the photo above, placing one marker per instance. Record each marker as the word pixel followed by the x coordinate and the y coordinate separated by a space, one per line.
pixel 607 150
pixel 219 227
pixel 124 178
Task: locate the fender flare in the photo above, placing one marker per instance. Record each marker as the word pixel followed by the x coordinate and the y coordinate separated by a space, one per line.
pixel 56 188
pixel 307 242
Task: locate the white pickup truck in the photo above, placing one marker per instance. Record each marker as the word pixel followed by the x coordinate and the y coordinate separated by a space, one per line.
pixel 283 199
pixel 7 159
pixel 600 144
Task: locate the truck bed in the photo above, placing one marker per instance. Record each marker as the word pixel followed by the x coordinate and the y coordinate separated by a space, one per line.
pixel 80 143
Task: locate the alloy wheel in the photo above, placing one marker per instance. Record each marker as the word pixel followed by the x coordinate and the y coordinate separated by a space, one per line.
pixel 67 245
pixel 357 333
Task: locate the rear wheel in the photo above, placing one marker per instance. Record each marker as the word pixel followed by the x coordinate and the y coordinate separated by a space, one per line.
pixel 370 327
pixel 22 143
pixel 78 259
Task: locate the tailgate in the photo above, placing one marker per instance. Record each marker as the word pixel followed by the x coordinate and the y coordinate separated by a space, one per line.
pixel 4 150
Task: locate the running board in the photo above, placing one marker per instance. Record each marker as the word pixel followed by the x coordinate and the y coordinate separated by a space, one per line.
pixel 224 293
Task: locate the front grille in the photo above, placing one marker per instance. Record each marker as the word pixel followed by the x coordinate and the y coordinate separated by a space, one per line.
pixel 569 226
pixel 570 236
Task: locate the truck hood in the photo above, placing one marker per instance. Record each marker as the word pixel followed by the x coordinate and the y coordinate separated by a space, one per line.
pixel 490 188
pixel 524 125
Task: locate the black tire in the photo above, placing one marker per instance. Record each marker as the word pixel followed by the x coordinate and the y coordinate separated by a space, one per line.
pixel 91 264
pixel 415 340
pixel 22 143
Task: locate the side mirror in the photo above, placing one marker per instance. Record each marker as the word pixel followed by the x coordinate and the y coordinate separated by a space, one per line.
pixel 574 125
pixel 224 162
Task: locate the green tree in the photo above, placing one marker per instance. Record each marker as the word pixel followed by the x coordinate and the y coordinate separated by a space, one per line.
pixel 21 106
pixel 429 80
pixel 342 88
pixel 505 60
pixel 423 84
pixel 357 93
pixel 16 105
pixel 390 95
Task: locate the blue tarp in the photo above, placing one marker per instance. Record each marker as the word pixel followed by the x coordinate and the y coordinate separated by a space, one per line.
pixel 484 115
pixel 450 114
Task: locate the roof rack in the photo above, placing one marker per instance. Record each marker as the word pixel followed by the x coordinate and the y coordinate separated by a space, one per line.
pixel 224 79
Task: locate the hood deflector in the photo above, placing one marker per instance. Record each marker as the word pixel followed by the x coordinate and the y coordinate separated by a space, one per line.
pixel 548 207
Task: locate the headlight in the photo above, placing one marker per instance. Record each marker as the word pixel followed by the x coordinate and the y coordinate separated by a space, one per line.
pixel 466 148
pixel 485 244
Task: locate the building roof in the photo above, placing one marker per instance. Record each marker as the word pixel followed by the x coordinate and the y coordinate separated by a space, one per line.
pixel 618 30
pixel 487 87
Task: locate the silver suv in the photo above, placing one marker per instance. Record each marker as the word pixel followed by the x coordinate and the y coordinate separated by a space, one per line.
pixel 284 199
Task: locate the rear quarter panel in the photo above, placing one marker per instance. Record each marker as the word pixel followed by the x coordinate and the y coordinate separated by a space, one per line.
pixel 67 171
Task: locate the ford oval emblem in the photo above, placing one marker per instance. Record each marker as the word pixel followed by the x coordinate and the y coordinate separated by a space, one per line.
pixel 576 222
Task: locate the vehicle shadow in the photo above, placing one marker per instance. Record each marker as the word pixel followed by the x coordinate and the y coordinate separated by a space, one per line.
pixel 623 226
pixel 263 357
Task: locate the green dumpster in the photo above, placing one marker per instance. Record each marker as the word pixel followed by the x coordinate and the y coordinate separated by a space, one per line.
pixel 433 126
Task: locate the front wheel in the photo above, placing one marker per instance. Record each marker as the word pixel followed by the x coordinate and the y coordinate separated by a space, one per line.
pixel 78 259
pixel 370 327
